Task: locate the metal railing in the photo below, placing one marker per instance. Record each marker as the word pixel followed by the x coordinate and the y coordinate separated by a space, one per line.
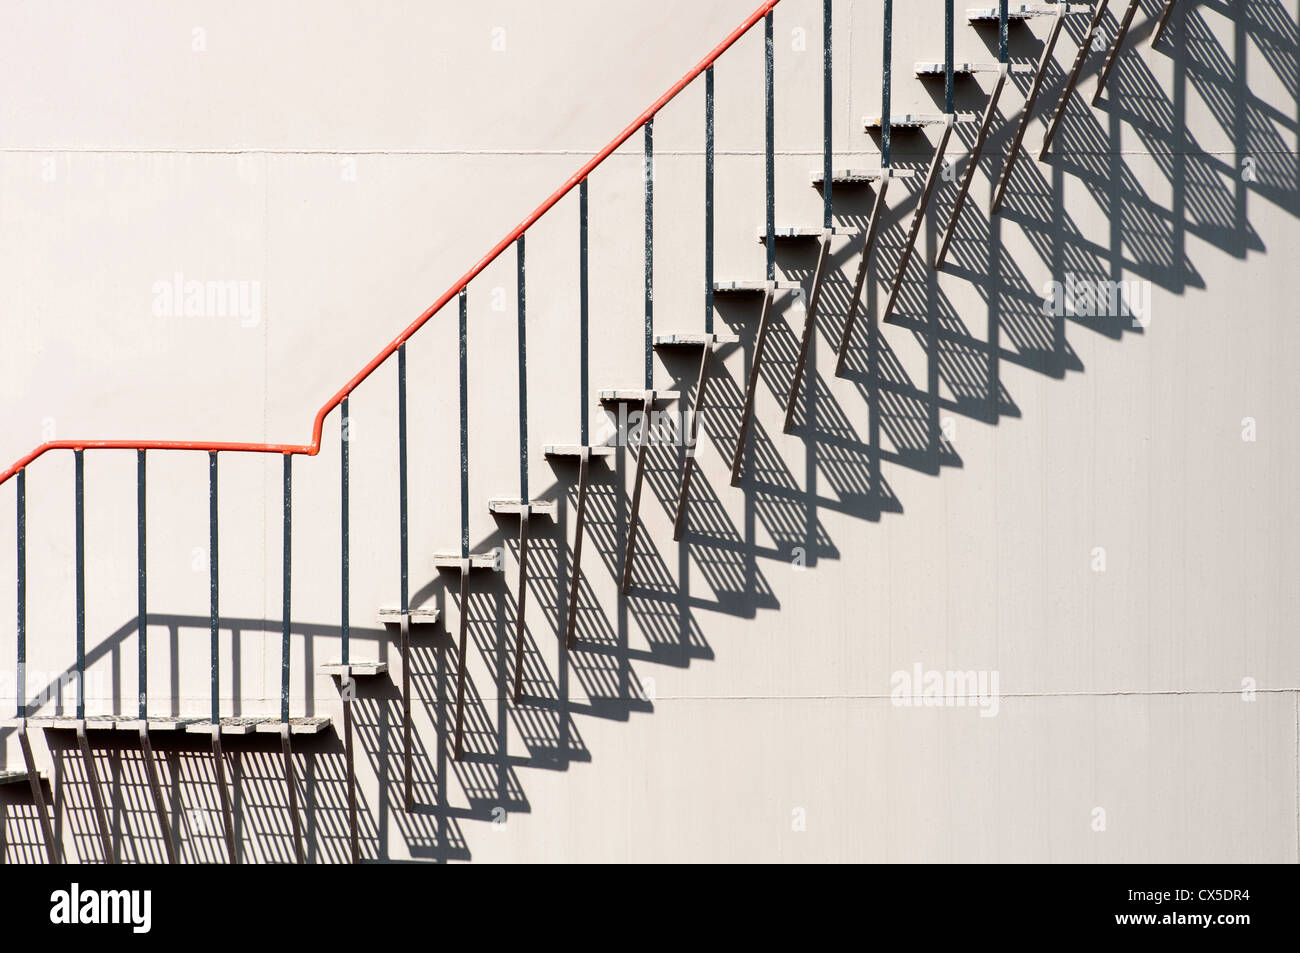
pixel 340 400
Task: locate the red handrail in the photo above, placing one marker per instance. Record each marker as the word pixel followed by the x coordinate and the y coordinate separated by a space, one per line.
pixel 314 447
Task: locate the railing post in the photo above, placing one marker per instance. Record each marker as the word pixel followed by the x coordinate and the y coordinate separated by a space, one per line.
pixel 79 458
pixel 1003 53
pixel 142 607
pixel 464 424
pixel 401 472
pixel 827 114
pixel 21 687
pixel 583 313
pixel 405 556
pixel 769 123
pixel 708 200
pixel 344 624
pixel 523 372
pixel 214 618
pixel 886 78
pixel 33 777
pixel 286 612
pixel 649 249
pixel 949 92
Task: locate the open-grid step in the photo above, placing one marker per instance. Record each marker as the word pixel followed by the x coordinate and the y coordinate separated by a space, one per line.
pixel 798 232
pixel 1025 11
pixel 910 121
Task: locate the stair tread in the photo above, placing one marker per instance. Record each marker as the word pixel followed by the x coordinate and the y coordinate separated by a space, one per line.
pixel 163 723
pixel 153 723
pixel 69 722
pixel 636 395
pixel 454 560
pixel 693 339
pixel 393 614
pixel 933 68
pixel 350 669
pixel 916 120
pixel 1024 11
pixel 508 507
pixel 859 176
pixel 759 286
pixel 789 232
pixel 14 776
pixel 576 450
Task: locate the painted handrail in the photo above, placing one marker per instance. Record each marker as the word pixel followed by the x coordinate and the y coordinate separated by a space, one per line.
pixel 314 447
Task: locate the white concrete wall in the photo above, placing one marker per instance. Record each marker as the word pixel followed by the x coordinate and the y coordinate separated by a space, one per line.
pixel 354 159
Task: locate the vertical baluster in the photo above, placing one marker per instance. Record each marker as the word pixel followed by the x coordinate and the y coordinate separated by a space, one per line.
pixel 401 472
pixel 827 115
pixel 886 78
pixel 87 756
pixel 769 123
pixel 345 628
pixel 708 199
pixel 142 589
pixel 583 312
pixel 1003 54
pixel 649 250
pixel 212 592
pixel 344 625
pixel 79 457
pixel 407 799
pixel 218 757
pixel 22 594
pixel 464 424
pixel 464 528
pixel 34 779
pixel 949 93
pixel 285 588
pixel 523 373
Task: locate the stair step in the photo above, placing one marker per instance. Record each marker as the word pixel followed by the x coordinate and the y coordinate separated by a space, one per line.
pixel 694 340
pixel 916 120
pixel 248 726
pixel 520 508
pixel 393 615
pixel 860 176
pixel 798 232
pixel 614 396
pixel 227 726
pixel 754 287
pixel 71 722
pixel 156 723
pixel 577 450
pixel 931 68
pixel 454 560
pixel 354 669
pixel 297 726
pixel 115 723
pixel 1024 11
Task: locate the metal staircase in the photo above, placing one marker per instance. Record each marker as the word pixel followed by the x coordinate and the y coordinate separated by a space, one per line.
pixel 525 507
